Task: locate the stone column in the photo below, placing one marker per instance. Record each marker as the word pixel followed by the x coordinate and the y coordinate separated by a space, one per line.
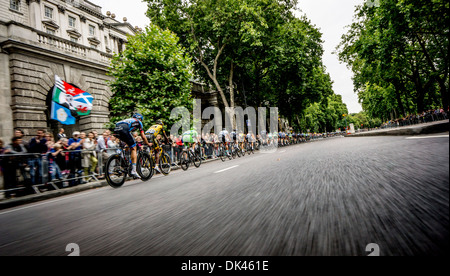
pixel 6 126
pixel 35 14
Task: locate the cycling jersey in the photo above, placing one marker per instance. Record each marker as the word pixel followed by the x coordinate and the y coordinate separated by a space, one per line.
pixel 124 129
pixel 223 136
pixel 233 135
pixel 250 137
pixel 155 130
pixel 190 136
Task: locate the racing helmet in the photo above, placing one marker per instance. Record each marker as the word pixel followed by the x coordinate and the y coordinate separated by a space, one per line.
pixel 138 116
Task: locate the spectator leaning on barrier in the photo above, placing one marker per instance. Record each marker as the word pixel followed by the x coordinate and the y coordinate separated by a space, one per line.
pixel 102 148
pixel 113 144
pixel 54 156
pixel 61 133
pixel 38 146
pixel 75 146
pixel 19 133
pixel 89 161
pixel 12 164
pixel 50 140
pixel 63 163
pixel 179 147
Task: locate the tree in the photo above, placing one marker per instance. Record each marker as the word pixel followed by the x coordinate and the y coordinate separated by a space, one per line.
pixel 256 48
pixel 151 76
pixel 324 116
pixel 209 29
pixel 398 52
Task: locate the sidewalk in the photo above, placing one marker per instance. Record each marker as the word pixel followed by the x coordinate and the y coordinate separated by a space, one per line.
pixel 427 128
pixel 12 202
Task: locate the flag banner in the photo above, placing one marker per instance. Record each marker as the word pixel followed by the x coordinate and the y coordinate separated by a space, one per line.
pixel 71 97
pixel 83 103
pixel 61 114
pixel 58 95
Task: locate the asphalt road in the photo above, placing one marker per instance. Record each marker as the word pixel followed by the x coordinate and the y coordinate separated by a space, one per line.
pixel 330 197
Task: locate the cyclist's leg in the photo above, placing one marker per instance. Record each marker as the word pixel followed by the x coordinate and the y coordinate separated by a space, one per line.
pixel 126 136
pixel 157 149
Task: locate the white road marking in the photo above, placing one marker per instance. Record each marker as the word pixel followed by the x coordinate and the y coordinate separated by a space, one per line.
pixel 426 137
pixel 227 169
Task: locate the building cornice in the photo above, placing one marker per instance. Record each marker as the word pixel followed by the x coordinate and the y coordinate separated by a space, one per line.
pixel 91 11
pixel 12 45
pixel 73 32
pixel 50 23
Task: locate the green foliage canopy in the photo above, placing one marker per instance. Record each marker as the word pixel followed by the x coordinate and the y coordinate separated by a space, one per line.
pixel 151 76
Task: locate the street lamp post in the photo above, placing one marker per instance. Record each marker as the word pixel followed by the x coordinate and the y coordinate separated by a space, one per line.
pixel 345 117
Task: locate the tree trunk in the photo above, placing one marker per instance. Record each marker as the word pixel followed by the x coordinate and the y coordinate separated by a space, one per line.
pixel 230 85
pixel 440 80
pixel 399 87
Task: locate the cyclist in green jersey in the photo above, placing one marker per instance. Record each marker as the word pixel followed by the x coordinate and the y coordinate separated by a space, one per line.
pixel 190 137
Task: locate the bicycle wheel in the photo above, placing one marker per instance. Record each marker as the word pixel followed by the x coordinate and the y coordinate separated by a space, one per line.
pixel 233 152
pixel 222 154
pixel 197 160
pixel 144 167
pixel 165 164
pixel 115 171
pixel 184 161
pixel 229 153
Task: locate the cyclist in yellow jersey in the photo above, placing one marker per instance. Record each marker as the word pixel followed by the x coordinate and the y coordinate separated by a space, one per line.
pixel 152 133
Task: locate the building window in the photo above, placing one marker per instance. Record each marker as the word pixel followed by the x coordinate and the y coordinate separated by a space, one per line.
pixel 106 40
pixel 51 31
pixel 74 39
pixel 72 22
pixel 48 12
pixel 91 30
pixel 14 5
pixel 93 46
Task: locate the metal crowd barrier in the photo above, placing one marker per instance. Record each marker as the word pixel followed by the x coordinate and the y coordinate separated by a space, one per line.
pixel 416 119
pixel 21 175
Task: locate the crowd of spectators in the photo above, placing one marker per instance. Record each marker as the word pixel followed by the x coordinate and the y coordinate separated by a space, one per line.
pixel 430 115
pixel 76 160
pixel 44 158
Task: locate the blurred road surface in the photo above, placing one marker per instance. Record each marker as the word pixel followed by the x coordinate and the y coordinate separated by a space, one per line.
pixel 330 197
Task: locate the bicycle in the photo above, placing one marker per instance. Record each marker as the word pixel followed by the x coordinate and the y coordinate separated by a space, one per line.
pixel 118 166
pixel 235 150
pixel 249 148
pixel 188 156
pixel 222 154
pixel 242 148
pixel 165 162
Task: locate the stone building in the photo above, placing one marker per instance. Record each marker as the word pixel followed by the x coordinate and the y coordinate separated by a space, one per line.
pixel 43 38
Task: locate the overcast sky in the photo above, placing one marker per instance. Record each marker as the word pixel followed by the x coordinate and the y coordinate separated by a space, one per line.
pixel 330 16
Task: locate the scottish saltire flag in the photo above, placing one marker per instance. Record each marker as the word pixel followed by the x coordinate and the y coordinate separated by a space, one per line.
pixel 83 103
pixel 72 97
pixel 61 114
